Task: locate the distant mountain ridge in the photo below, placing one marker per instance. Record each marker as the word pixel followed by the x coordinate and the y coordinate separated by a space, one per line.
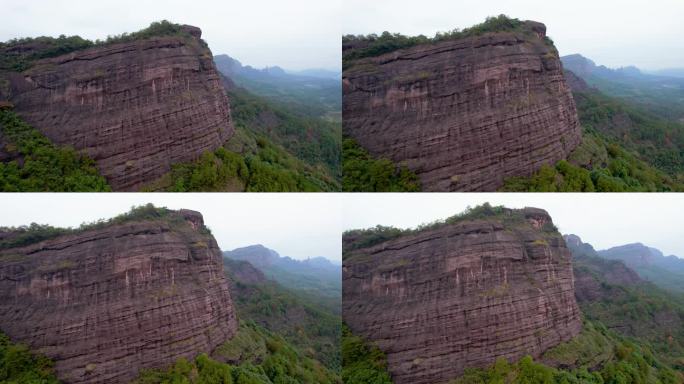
pixel 672 72
pixel 317 275
pixel 666 272
pixel 318 72
pixel 610 292
pixel 584 67
pixel 312 92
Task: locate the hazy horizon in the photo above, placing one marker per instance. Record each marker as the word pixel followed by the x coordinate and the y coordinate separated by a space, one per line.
pixel 603 220
pixel 294 35
pixel 300 226
pixel 614 33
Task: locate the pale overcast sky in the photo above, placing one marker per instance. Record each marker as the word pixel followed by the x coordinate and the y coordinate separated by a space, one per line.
pixel 297 225
pixel 603 220
pixel 294 34
pixel 614 33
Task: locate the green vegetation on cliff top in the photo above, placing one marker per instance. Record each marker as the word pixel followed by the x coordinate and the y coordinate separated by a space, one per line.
pixel 33 233
pixel 14 59
pixel 363 238
pixel 40 166
pixel 373 45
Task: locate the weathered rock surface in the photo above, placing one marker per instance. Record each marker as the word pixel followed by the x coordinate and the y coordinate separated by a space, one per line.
pixel 105 303
pixel 462 295
pixel 464 114
pixel 135 107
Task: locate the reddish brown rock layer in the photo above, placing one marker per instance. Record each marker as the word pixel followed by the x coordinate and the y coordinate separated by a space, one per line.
pixel 134 107
pixel 462 295
pixel 105 303
pixel 464 114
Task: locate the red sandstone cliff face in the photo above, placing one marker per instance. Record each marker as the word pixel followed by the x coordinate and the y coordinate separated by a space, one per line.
pixel 135 107
pixel 464 114
pixel 462 295
pixel 105 303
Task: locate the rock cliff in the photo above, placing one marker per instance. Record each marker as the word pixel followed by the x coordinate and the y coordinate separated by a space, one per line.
pixel 135 107
pixel 464 114
pixel 461 295
pixel 106 302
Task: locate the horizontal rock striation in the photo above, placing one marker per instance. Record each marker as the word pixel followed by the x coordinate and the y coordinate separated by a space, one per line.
pixel 135 107
pixel 105 303
pixel 462 295
pixel 464 114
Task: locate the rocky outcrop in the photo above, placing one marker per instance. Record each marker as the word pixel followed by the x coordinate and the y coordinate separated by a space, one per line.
pixel 106 302
pixel 134 107
pixel 461 295
pixel 576 83
pixel 595 276
pixel 243 272
pixel 464 114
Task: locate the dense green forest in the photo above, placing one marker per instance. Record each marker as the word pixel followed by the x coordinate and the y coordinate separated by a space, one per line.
pixel 655 95
pixel 315 141
pixel 19 60
pixel 363 363
pixel 39 165
pixel 19 366
pixel 642 311
pixel 362 173
pixel 597 165
pixel 373 45
pixel 310 323
pixel 253 356
pixel 659 141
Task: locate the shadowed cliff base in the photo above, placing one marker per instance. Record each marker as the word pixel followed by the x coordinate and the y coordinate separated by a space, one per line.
pixel 464 110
